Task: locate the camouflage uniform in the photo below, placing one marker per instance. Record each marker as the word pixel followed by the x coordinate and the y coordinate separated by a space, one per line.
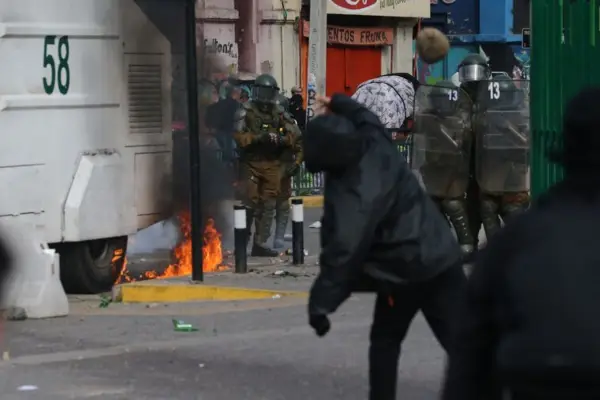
pixel 260 138
pixel 291 159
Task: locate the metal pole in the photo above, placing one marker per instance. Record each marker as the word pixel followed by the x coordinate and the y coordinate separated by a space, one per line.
pixel 241 239
pixel 297 231
pixel 193 128
pixel 317 55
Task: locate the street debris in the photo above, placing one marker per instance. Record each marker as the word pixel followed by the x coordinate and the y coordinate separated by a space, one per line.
pixel 290 252
pixel 5 356
pixel 283 274
pixel 315 225
pixel 15 314
pixel 105 301
pixel 27 388
pixel 277 296
pixel 181 326
pixel 287 237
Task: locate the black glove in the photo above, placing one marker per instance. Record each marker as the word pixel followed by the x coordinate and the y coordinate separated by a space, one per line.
pixel 264 137
pixel 320 323
pixel 293 170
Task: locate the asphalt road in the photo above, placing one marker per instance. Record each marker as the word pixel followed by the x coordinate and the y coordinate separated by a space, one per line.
pixel 250 350
pixel 261 349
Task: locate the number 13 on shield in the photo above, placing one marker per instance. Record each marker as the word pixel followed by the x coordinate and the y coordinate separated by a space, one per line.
pixel 56 63
pixel 494 89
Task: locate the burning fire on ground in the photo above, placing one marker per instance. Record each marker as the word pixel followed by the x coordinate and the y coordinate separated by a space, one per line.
pixel 212 255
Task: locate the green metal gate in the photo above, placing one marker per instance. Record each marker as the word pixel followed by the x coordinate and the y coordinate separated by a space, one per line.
pixel 564 58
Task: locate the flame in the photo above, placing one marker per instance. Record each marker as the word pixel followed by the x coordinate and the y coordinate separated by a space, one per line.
pixel 212 255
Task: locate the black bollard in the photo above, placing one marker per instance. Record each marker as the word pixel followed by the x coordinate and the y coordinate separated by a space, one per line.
pixel 241 239
pixel 297 231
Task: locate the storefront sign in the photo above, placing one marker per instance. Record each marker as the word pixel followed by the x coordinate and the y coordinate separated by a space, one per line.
pixel 377 36
pixel 383 8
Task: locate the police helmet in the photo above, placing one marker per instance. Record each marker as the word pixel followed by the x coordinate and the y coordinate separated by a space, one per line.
pixel 265 90
pixel 474 68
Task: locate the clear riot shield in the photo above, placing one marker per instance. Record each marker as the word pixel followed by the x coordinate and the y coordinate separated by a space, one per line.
pixel 442 140
pixel 502 135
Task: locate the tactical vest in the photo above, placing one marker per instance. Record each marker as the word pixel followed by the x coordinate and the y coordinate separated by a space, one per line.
pixel 257 122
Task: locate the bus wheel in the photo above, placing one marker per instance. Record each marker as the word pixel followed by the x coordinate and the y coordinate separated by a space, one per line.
pixel 88 267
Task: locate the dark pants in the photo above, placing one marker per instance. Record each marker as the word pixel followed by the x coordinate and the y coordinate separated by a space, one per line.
pixel 473 209
pixel 546 394
pixel 436 298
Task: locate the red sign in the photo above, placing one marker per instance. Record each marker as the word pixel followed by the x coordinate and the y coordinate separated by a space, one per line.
pixel 355 5
pixel 365 36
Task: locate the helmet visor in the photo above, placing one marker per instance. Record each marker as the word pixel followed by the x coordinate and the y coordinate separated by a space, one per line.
pixel 265 94
pixel 473 73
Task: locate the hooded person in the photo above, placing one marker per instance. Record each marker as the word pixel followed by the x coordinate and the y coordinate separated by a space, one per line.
pixel 528 324
pixel 380 232
pixel 390 97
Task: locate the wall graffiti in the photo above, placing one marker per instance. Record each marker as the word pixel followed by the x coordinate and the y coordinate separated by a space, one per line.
pixel 523 57
pixel 214 46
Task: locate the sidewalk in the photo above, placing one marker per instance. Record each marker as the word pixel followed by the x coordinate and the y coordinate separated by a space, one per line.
pixel 264 281
pixel 266 277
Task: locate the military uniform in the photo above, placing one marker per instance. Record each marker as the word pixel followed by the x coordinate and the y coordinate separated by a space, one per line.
pixel 291 159
pixel 260 138
pixel 441 152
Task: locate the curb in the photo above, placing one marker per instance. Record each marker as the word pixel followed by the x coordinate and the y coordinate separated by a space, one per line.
pixel 310 201
pixel 187 292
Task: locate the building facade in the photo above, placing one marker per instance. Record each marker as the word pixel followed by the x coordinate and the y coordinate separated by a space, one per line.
pixel 249 37
pixel 490 27
pixel 365 39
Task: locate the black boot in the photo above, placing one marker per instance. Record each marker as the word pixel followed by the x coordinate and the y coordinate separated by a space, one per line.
pixel 260 251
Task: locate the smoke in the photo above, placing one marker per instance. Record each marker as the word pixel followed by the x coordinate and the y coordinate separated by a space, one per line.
pixel 217 176
pixel 164 235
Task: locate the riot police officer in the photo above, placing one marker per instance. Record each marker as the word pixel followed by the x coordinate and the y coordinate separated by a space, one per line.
pixel 260 136
pixel 441 152
pixel 502 126
pixel 472 70
pixel 291 158
pixel 500 146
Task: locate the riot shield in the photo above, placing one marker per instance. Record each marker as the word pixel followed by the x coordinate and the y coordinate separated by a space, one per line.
pixel 442 140
pixel 501 128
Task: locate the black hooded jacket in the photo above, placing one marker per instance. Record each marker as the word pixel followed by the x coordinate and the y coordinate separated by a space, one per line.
pixel 379 227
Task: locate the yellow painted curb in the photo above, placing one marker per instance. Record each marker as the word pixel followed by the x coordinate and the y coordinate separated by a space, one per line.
pixel 178 293
pixel 310 201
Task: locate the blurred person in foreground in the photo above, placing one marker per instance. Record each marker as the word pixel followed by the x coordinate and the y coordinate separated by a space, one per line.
pixel 529 327
pixel 380 231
